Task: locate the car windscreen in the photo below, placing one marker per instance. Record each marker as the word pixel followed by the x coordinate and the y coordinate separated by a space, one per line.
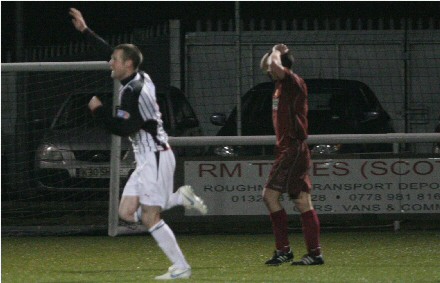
pixel 75 112
pixel 181 108
pixel 341 103
pixel 325 98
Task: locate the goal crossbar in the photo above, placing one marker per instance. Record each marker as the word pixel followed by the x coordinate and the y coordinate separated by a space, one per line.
pixel 55 66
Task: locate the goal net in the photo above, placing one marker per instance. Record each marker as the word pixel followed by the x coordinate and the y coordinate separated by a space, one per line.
pixel 55 162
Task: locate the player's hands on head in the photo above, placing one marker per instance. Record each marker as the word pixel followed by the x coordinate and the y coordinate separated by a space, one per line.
pixel 282 48
pixel 78 20
pixel 264 63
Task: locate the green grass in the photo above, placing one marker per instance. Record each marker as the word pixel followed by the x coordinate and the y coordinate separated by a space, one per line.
pixel 350 257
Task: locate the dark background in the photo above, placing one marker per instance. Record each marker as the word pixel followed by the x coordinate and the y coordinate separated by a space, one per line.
pixel 48 23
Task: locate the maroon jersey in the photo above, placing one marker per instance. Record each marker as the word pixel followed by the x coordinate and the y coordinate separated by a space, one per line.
pixel 289 109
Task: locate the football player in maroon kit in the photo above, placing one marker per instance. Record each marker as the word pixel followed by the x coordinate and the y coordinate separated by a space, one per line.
pixel 289 173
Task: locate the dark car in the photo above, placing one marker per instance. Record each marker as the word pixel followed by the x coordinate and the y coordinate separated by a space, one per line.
pixel 75 153
pixel 335 107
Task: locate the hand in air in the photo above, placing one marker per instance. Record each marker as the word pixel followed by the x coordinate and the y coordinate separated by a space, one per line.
pixel 78 20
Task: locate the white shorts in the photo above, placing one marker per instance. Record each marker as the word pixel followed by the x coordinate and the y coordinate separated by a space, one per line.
pixel 153 184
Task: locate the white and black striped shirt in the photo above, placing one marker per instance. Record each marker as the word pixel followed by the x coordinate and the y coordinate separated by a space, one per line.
pixel 138 116
pixel 138 108
pixel 149 110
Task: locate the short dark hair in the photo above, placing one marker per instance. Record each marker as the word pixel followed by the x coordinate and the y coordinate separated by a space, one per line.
pixel 287 60
pixel 131 52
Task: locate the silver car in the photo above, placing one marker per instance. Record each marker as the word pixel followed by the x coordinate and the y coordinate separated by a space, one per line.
pixel 75 154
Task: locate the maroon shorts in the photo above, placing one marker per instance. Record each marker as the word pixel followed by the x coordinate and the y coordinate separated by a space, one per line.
pixel 290 171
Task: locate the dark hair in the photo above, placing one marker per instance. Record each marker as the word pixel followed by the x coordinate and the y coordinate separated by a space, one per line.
pixel 287 60
pixel 131 52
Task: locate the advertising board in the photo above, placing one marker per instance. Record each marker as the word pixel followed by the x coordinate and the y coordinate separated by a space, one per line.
pixel 345 186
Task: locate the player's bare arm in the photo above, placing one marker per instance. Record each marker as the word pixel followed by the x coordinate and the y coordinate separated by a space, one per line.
pixel 276 67
pixel 94 103
pixel 77 19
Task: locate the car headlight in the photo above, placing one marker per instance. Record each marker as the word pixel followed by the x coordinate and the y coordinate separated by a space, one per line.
pixel 49 153
pixel 225 151
pixel 326 148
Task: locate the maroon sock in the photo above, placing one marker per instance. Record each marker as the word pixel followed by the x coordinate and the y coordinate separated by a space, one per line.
pixel 311 230
pixel 279 226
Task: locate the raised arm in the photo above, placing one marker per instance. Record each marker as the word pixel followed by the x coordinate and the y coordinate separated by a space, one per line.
pixel 77 20
pixel 100 44
pixel 274 61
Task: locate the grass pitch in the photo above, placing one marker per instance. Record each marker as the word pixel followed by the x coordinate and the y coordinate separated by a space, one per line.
pixel 350 257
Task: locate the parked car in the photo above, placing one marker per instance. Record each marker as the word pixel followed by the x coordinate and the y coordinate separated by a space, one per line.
pixel 335 107
pixel 75 153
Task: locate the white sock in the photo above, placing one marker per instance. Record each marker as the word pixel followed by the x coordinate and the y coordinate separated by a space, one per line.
pixel 166 240
pixel 174 200
pixel 138 214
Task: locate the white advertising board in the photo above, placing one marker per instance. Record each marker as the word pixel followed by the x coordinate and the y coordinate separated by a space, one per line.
pixel 346 186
